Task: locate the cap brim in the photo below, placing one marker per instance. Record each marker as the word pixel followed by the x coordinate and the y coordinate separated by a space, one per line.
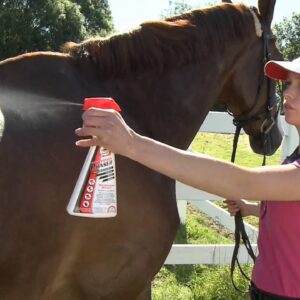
pixel 279 70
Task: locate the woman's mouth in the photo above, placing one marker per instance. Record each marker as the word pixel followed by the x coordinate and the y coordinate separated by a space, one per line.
pixel 287 106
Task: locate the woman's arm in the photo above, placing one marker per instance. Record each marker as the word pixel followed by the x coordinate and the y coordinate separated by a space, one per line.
pixel 200 171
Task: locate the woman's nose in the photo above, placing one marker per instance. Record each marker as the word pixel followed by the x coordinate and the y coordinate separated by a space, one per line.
pixel 288 93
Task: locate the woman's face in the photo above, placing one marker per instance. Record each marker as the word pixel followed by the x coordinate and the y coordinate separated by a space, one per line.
pixel 292 100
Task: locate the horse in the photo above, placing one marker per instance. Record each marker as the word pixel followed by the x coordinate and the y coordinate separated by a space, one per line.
pixel 165 75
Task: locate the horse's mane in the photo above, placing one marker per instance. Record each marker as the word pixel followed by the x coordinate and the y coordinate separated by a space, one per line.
pixel 179 40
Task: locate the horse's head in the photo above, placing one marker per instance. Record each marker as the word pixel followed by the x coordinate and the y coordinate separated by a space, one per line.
pixel 258 113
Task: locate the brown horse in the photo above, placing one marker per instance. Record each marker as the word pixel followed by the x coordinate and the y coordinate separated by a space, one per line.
pixel 165 76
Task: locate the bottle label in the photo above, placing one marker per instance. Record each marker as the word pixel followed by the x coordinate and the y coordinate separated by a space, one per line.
pixel 99 194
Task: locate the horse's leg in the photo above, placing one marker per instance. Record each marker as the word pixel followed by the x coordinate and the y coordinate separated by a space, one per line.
pixel 145 294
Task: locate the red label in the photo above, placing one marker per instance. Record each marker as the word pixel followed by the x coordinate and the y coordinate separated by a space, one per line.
pixel 86 204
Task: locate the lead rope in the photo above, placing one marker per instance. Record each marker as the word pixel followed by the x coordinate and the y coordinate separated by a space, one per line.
pixel 240 231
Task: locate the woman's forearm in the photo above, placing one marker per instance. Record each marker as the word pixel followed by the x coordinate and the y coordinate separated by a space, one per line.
pixel 200 171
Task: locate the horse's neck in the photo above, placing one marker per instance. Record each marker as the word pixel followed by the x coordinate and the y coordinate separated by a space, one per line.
pixel 171 107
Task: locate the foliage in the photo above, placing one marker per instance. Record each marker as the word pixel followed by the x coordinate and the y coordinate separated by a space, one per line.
pixel 288 33
pixel 98 18
pixel 34 25
pixel 176 8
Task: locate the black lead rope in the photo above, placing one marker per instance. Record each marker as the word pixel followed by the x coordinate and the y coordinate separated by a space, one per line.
pixel 235 142
pixel 241 121
pixel 240 232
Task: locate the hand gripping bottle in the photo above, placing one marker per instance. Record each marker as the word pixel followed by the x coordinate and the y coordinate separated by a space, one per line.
pixel 95 193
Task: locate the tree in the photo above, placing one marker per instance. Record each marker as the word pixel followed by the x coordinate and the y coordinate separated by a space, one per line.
pixel 98 18
pixel 34 25
pixel 176 8
pixel 288 34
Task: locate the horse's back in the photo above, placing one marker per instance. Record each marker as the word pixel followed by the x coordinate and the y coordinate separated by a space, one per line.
pixel 47 254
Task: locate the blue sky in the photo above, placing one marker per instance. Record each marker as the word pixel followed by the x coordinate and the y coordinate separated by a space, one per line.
pixel 128 14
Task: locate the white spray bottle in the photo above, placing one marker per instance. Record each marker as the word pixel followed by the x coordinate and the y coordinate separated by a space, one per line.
pixel 95 192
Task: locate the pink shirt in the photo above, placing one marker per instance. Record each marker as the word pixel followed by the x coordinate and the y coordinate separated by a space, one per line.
pixel 277 267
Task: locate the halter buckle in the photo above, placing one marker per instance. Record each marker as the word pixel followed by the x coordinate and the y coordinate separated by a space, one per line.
pixel 266 126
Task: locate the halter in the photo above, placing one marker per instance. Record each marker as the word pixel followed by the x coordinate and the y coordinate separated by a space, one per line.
pixel 268 123
pixel 273 100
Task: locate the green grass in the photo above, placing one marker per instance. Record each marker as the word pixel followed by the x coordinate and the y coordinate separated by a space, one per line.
pixel 201 282
pixel 199 229
pixel 197 282
pixel 220 146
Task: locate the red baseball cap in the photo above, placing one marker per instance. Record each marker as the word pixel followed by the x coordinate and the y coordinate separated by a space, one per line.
pixel 279 70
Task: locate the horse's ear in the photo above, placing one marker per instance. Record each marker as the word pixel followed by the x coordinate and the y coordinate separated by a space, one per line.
pixel 266 10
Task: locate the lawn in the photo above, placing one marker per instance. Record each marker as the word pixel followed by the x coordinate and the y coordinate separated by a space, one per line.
pixel 195 282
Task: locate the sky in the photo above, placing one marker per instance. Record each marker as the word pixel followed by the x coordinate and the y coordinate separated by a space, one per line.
pixel 128 14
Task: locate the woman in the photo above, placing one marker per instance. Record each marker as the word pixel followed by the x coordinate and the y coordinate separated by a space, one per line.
pixel 276 273
pixel 273 270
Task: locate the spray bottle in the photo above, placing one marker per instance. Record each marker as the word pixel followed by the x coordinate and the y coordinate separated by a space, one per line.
pixel 95 193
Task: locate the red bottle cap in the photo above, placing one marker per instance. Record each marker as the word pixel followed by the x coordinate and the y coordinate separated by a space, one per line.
pixel 105 103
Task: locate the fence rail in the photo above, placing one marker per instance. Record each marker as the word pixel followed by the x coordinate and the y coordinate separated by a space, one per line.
pixel 218 122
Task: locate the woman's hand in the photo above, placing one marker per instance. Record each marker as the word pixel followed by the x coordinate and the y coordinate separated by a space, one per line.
pixel 106 128
pixel 246 208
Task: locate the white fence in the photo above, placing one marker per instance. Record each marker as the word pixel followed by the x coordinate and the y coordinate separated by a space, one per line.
pixel 218 122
